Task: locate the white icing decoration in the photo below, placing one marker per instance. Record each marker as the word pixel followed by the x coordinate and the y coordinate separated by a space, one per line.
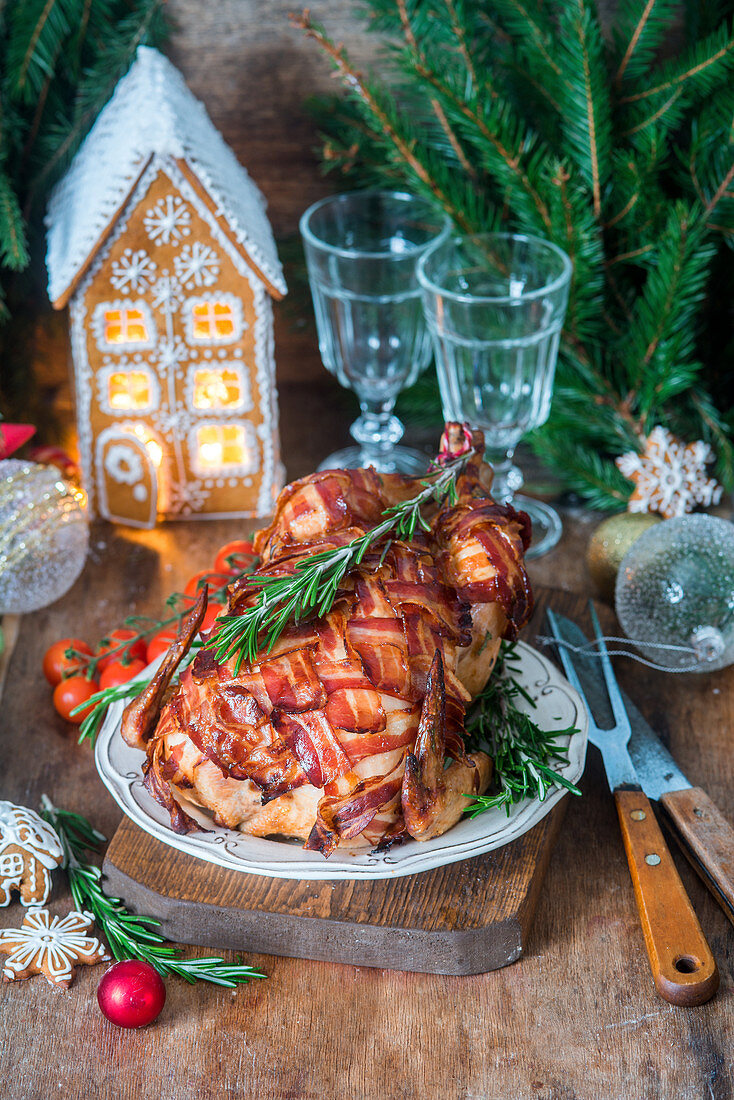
pixel 21 827
pixel 134 271
pixel 196 265
pixel 250 466
pixel 235 305
pixel 140 493
pixel 103 386
pixel 169 220
pixel 243 405
pixel 54 943
pixel 166 292
pixel 123 464
pixel 98 325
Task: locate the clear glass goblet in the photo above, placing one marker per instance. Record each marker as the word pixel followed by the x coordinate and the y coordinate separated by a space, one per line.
pixel 495 305
pixel 361 250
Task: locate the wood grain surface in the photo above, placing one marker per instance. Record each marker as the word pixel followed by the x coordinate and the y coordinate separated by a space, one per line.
pixel 577 1018
pixel 464 918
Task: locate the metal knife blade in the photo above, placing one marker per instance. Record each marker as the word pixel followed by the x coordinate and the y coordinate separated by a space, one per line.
pixel 656 769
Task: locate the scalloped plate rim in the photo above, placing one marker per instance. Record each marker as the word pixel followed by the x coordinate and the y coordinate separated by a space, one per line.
pixel 118 766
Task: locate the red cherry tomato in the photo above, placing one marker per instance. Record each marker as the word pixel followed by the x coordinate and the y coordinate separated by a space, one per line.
pixel 56 664
pixel 235 557
pixel 72 693
pixel 118 673
pixel 117 638
pixel 159 643
pixel 207 576
pixel 213 609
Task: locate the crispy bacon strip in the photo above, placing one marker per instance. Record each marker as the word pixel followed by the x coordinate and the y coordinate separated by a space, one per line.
pixel 342 818
pixel 141 715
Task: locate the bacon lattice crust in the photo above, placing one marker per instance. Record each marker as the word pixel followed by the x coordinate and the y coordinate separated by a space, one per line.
pixel 341 732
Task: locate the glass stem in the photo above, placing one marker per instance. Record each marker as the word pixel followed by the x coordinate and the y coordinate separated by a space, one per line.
pixel 507 476
pixel 376 430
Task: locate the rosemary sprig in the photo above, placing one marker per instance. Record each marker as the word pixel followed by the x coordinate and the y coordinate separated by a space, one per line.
pixel 523 753
pixel 314 584
pixel 129 936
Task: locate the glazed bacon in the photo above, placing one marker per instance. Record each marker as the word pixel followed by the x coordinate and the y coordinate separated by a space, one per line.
pixel 351 729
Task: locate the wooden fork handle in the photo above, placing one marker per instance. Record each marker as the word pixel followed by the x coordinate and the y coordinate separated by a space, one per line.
pixel 709 841
pixel 683 968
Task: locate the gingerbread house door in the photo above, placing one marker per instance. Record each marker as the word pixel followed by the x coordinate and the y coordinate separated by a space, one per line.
pixel 126 481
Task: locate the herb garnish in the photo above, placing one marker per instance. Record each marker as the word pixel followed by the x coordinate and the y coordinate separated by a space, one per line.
pixel 129 936
pixel 523 754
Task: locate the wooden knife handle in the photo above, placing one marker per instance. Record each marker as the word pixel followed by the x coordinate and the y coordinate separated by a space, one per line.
pixel 683 967
pixel 710 839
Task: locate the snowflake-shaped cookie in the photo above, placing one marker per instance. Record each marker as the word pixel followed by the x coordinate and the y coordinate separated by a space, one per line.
pixel 669 476
pixel 197 265
pixel 133 271
pixel 52 946
pixel 168 221
pixel 29 850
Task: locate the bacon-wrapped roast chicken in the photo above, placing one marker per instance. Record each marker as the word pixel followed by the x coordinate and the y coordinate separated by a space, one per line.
pixel 350 729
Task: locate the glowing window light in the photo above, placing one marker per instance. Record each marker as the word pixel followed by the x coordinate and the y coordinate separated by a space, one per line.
pixel 221 445
pixel 212 320
pixel 128 390
pixel 152 446
pixel 125 326
pixel 217 389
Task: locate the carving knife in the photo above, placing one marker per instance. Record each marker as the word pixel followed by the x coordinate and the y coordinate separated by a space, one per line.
pixel 706 837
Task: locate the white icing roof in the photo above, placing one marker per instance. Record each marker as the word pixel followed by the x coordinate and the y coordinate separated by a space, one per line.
pixel 152 112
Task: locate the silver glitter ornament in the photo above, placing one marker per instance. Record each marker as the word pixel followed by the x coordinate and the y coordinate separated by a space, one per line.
pixel 675 587
pixel 44 536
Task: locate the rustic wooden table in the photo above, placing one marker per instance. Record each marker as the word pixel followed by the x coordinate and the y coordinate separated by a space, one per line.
pixel 576 1018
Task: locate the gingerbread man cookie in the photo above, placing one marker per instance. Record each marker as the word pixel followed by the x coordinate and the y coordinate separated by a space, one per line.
pixel 29 850
pixel 52 946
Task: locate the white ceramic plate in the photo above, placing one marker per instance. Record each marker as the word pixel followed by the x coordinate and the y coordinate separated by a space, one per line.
pixel 557 707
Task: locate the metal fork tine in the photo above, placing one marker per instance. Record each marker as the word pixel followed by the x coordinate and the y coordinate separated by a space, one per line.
pixel 615 697
pixel 568 665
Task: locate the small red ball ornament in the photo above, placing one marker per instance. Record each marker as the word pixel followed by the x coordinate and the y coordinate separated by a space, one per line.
pixel 131 994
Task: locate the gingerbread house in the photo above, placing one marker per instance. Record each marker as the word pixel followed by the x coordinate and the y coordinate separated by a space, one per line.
pixel 159 242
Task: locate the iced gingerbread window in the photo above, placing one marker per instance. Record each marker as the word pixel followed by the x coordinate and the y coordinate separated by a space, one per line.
pixel 213 319
pixel 133 388
pixel 215 386
pixel 122 326
pixel 223 449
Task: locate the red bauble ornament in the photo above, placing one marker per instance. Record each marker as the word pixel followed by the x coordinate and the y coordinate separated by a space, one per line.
pixel 131 994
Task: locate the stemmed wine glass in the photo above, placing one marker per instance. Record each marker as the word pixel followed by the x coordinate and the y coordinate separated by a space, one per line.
pixel 495 305
pixel 361 250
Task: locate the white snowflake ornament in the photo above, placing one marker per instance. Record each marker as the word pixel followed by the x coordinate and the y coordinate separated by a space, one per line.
pixel 134 271
pixel 52 946
pixel 168 221
pixel 197 265
pixel 669 475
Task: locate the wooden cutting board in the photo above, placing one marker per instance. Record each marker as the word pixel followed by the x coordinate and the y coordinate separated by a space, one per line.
pixel 463 918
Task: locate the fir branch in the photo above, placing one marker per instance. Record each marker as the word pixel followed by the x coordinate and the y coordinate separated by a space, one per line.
pixel 128 935
pixel 525 757
pixel 356 83
pixel 314 584
pixel 586 116
pixel 13 244
pixel 639 31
